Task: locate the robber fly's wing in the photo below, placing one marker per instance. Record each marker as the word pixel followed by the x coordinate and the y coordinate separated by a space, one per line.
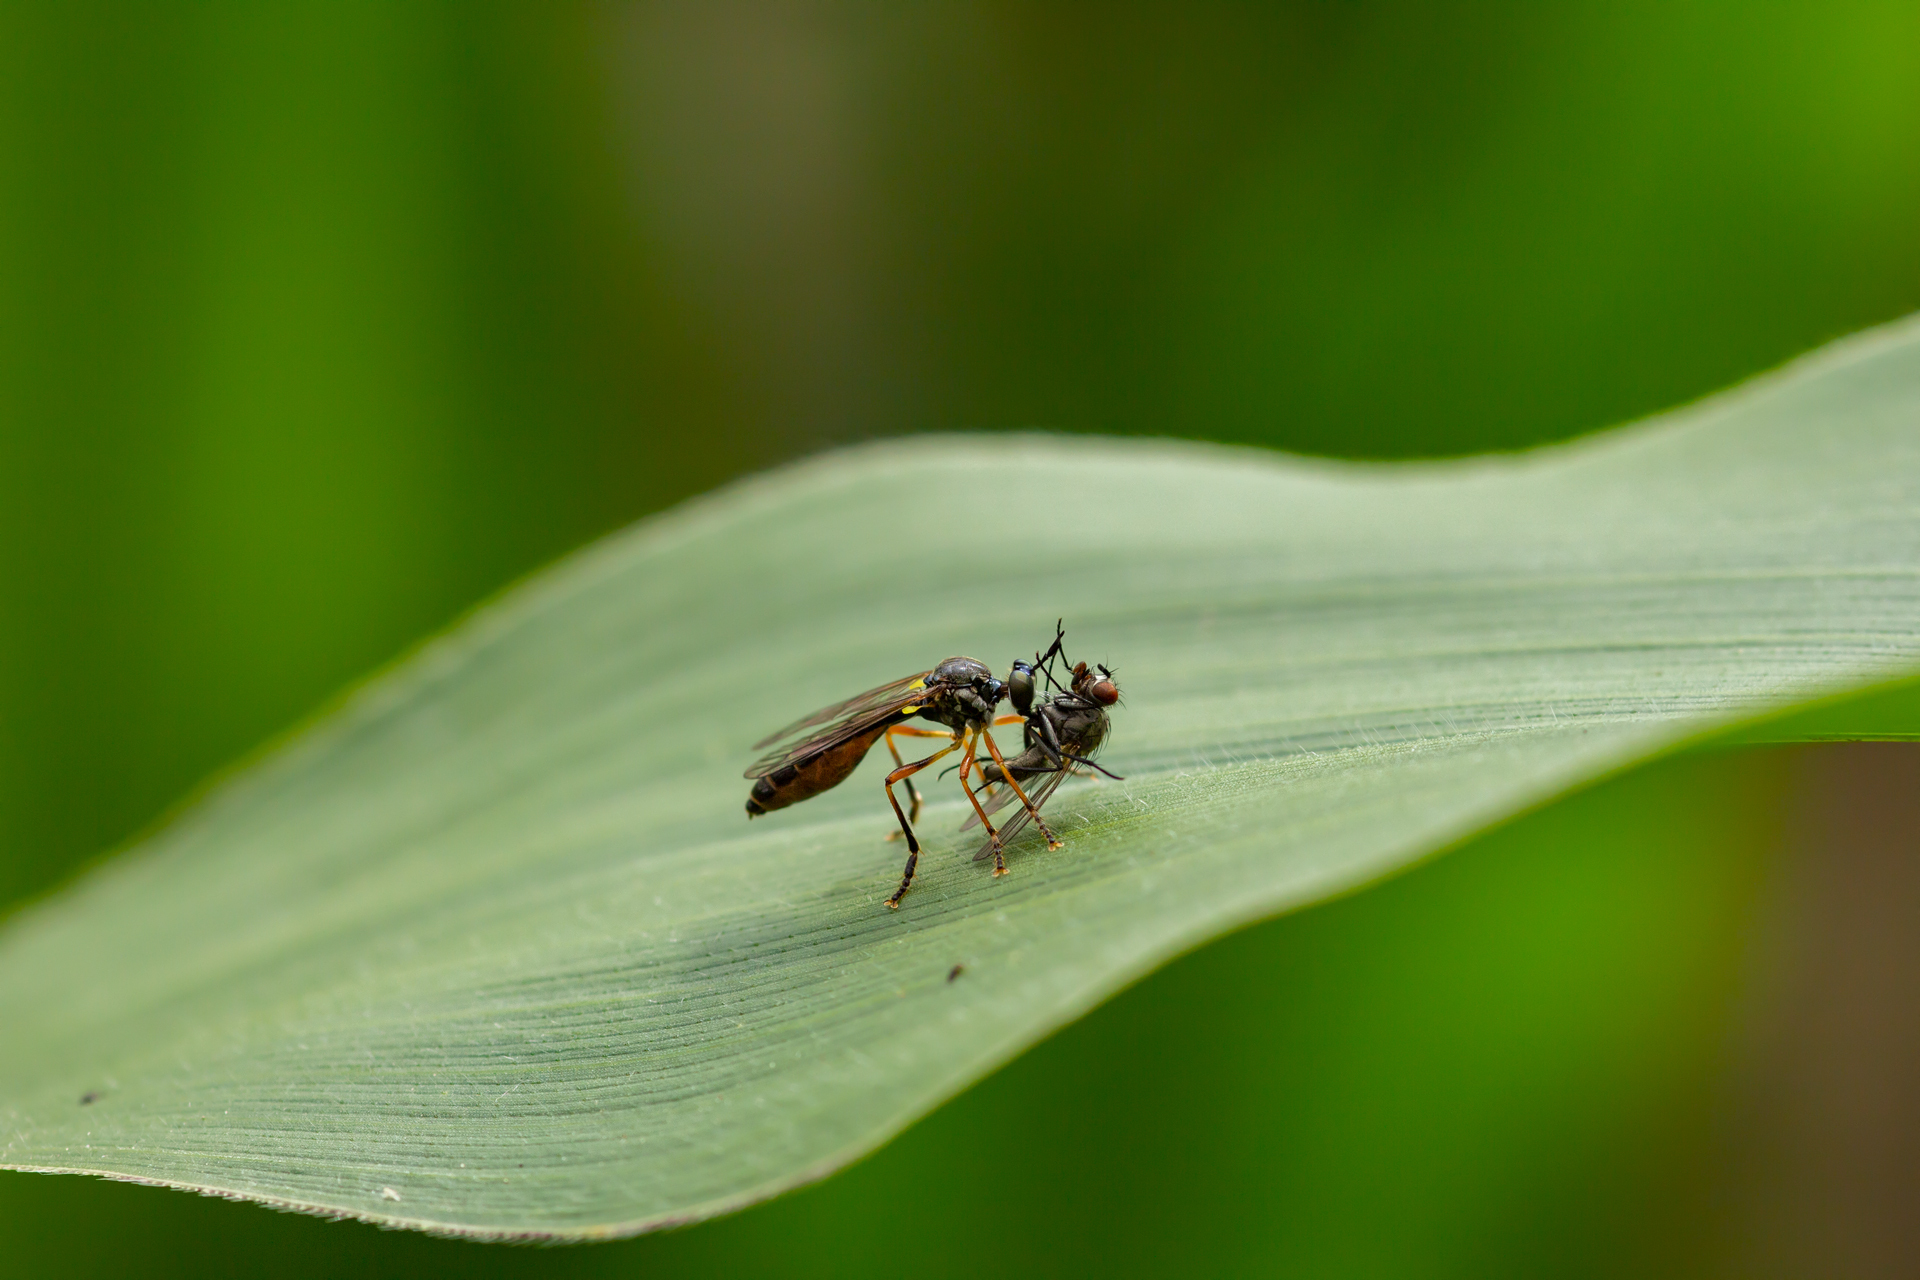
pixel 853 708
pixel 1018 822
pixel 850 719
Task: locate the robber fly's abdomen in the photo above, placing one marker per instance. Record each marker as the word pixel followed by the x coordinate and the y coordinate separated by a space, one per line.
pixel 803 779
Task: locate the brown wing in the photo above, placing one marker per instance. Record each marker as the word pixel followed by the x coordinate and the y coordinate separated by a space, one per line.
pixel 1018 822
pixel 842 720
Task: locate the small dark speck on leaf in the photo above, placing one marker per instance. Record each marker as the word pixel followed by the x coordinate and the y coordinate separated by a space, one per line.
pixel 955 972
pixel 89 1098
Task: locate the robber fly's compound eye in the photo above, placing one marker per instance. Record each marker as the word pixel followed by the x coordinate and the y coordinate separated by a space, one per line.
pixel 1020 688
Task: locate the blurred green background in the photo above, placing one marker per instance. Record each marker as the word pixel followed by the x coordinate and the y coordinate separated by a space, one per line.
pixel 318 323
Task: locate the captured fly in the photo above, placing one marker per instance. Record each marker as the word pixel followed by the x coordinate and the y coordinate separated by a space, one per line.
pixel 1063 731
pixel 960 694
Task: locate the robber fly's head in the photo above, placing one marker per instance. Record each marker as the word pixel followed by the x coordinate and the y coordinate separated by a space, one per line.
pixel 1020 688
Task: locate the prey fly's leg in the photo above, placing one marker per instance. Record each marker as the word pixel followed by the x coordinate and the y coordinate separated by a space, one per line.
pixel 904 772
pixel 913 795
pixel 1053 841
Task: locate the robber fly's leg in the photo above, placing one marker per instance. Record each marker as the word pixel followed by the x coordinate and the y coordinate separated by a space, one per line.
pixel 987 790
pixel 904 772
pixel 906 879
pixel 999 856
pixel 993 834
pixel 913 796
pixel 1053 841
pixel 913 793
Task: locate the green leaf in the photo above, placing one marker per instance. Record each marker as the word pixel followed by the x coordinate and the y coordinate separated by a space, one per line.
pixel 492 950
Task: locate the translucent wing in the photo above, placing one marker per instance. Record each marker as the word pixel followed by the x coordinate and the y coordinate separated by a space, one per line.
pixel 857 705
pixel 842 720
pixel 993 802
pixel 1018 822
pixel 1027 766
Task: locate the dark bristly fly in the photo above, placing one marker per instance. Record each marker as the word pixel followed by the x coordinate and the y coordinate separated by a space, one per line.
pixel 1063 732
pixel 960 694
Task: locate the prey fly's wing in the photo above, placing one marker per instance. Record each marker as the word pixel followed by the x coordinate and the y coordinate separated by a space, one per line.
pixel 842 720
pixel 1001 794
pixel 1018 822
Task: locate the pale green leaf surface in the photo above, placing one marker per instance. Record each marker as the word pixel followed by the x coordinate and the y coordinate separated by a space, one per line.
pixel 492 948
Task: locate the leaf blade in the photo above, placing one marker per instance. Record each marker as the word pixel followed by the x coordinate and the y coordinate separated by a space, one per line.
pixel 493 940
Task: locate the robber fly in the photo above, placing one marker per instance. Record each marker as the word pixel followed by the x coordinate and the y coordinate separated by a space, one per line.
pixel 1062 734
pixel 960 693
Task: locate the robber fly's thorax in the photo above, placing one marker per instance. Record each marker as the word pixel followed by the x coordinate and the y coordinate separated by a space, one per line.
pixel 961 694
